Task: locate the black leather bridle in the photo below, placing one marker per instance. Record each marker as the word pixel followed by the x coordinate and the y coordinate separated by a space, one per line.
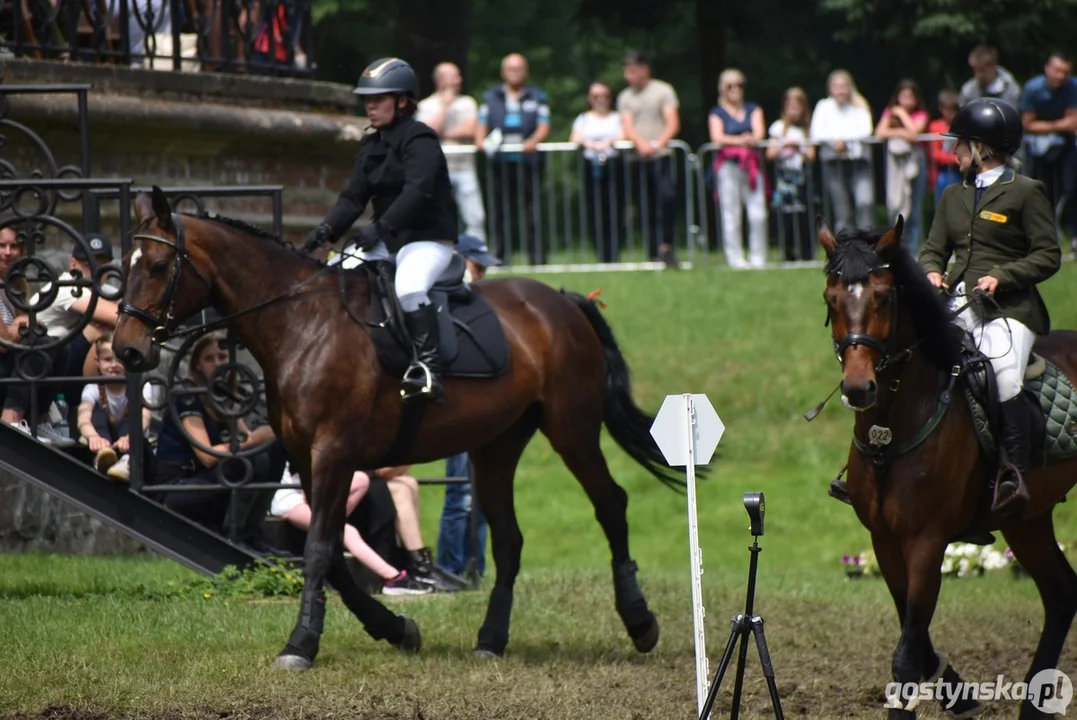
pixel 855 339
pixel 162 326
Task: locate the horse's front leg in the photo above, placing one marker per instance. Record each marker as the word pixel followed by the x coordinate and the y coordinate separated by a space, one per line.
pixel 331 480
pixel 923 574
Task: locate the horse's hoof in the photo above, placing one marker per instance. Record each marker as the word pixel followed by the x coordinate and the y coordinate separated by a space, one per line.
pixel 649 639
pixel 484 653
pixel 292 662
pixel 412 640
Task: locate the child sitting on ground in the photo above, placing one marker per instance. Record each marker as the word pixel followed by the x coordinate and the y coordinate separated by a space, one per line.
pixel 103 418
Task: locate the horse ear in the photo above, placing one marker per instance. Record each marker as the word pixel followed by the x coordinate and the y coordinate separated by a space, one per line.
pixel 892 238
pixel 162 209
pixel 143 207
pixel 826 238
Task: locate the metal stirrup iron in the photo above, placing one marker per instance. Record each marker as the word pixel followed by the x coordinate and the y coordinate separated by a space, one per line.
pixel 427 384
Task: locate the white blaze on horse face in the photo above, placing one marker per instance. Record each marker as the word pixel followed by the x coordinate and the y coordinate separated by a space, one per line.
pixel 136 255
pixel 857 289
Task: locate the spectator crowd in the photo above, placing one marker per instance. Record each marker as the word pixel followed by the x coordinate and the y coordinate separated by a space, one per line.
pixel 183 452
pixel 760 170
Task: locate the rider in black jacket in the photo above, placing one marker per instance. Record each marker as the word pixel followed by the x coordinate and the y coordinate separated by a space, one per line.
pixel 401 168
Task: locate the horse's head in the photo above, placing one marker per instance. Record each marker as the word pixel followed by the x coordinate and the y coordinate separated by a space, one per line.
pixel 158 293
pixel 861 300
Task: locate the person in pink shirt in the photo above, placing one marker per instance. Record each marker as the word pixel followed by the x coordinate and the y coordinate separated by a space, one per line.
pixel 906 161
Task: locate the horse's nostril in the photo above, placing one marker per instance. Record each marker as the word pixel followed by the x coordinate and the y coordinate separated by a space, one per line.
pixel 130 356
pixel 870 387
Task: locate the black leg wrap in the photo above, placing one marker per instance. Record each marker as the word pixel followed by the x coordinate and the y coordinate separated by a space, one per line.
pixel 307 634
pixel 631 605
pixel 380 622
pixel 494 633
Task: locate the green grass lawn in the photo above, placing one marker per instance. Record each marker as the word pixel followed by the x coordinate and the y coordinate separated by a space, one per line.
pixel 85 633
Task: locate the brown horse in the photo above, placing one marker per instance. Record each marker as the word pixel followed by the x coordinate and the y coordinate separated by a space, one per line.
pixel 895 339
pixel 335 408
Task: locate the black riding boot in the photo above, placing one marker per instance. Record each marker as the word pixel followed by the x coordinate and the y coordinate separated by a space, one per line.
pixel 839 490
pixel 1011 494
pixel 424 380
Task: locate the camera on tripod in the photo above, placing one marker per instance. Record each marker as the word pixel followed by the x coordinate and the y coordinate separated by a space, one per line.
pixel 747 624
pixel 754 504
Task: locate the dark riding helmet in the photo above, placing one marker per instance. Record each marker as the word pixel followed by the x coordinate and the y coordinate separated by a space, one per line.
pixel 992 121
pixel 388 75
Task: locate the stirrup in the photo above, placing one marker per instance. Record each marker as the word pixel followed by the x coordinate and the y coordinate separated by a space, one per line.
pixel 419 382
pixel 1015 503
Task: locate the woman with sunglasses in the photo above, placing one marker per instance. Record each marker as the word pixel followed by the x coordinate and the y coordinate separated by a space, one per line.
pixel 596 131
pixel 737 126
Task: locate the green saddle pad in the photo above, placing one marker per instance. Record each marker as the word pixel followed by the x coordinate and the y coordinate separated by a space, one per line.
pixel 1057 399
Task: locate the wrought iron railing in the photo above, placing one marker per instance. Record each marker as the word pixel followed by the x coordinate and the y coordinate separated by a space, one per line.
pixel 268 37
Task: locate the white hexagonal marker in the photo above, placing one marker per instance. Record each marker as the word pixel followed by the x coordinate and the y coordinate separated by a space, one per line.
pixel 672 429
pixel 687 431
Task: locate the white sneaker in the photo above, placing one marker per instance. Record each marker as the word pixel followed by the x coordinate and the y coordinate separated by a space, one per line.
pixel 121 470
pixel 21 426
pixel 49 435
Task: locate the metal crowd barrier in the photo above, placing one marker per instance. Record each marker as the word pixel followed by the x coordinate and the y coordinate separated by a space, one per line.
pixel 557 210
pixel 561 209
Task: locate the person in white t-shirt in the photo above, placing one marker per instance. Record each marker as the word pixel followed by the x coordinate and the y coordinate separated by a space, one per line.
pixel 792 155
pixel 59 318
pixel 291 504
pixel 454 117
pixel 839 125
pixel 103 419
pixel 596 131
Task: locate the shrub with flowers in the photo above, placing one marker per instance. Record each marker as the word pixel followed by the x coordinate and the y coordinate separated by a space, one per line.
pixel 959 560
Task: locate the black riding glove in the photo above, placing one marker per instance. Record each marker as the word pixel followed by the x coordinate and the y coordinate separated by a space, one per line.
pixel 318 237
pixel 370 236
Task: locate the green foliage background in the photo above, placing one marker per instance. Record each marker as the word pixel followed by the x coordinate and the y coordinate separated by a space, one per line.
pixel 777 43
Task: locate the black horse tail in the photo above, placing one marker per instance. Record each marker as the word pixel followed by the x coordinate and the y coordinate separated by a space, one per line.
pixel 627 423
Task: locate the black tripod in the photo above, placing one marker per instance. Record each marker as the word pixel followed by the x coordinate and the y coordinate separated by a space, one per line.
pixel 743 625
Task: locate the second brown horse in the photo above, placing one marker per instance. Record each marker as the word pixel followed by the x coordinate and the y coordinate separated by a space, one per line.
pixel 898 347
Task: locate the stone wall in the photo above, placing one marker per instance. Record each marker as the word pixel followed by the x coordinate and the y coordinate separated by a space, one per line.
pixel 32 520
pixel 191 129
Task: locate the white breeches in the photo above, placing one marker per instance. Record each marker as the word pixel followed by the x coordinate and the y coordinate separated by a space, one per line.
pixel 418 266
pixel 1007 342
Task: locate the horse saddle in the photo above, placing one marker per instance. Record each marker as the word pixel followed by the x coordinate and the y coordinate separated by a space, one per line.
pixel 472 340
pixel 1049 396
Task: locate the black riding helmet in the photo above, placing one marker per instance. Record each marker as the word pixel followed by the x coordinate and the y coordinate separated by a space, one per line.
pixel 388 75
pixel 992 121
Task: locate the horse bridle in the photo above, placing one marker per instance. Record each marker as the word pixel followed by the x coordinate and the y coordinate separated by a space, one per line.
pixel 160 326
pixel 855 339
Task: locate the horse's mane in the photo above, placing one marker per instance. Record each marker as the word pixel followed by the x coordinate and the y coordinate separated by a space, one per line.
pixel 854 259
pixel 257 232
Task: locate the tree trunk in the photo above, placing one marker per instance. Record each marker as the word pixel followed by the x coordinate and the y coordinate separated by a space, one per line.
pixel 432 31
pixel 711 21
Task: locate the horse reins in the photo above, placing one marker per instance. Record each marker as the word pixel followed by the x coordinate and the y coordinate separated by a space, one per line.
pixel 161 332
pixel 880 453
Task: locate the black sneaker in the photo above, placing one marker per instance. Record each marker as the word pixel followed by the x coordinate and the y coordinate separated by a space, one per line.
pixel 260 547
pixel 404 584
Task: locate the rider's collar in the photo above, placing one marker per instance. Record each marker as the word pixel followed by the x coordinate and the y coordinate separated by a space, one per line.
pixel 989 177
pixel 394 132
